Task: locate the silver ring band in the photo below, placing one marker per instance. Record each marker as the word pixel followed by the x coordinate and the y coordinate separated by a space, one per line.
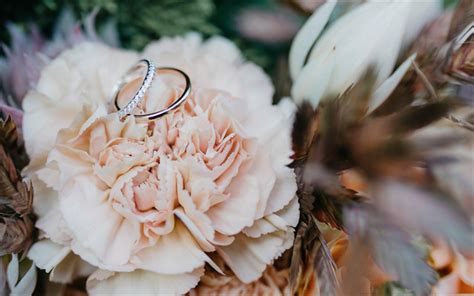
pixel 154 115
pixel 138 97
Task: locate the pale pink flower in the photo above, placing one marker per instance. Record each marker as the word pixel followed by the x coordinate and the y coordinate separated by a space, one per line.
pixel 138 205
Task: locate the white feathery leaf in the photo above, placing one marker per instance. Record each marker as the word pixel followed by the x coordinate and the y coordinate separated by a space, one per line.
pixel 313 80
pixel 307 35
pixel 421 13
pixel 371 40
pixel 388 86
pixel 13 271
pixel 27 284
pixel 372 34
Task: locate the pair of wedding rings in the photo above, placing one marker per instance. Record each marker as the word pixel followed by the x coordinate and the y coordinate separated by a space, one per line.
pixel 151 71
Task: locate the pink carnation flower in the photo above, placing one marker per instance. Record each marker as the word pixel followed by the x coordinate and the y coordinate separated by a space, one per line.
pixel 138 206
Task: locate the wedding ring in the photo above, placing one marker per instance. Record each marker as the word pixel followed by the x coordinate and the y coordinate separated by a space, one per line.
pixel 130 76
pixel 133 103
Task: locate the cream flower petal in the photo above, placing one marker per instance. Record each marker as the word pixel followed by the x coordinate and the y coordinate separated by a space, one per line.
pixel 57 79
pixel 60 78
pixel 196 230
pixel 50 220
pixel 166 257
pixel 59 89
pixel 137 154
pixel 280 138
pixel 81 121
pixel 70 268
pixel 219 47
pixel 45 197
pixel 47 255
pixel 263 172
pixel 238 211
pixel 248 257
pixel 260 227
pixel 44 118
pixel 142 282
pixel 63 163
pixel 104 231
pixel 281 220
pixel 290 213
pixel 52 224
pixel 90 257
pixel 229 73
pixel 283 192
pixel 263 128
pixel 256 87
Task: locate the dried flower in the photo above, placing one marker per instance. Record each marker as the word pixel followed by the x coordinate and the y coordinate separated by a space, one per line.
pixel 378 154
pixel 461 64
pixel 16 196
pixel 272 282
pixel 15 235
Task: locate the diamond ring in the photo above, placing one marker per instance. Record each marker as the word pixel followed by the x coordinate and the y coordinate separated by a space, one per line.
pixel 145 85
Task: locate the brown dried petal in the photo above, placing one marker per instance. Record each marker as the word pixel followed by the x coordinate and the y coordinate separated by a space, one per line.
pixel 462 62
pixel 14 194
pixel 15 235
pixel 23 201
pixel 8 167
pixel 10 139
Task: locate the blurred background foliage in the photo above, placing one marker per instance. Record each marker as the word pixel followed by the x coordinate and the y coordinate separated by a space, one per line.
pixel 140 21
pixel 263 29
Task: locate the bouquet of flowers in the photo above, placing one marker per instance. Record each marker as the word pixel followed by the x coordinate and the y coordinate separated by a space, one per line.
pixel 185 162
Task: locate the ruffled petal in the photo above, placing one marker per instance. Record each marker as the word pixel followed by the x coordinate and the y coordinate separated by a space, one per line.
pixel 44 117
pixel 282 220
pixel 249 257
pixel 238 211
pixel 174 253
pixel 47 255
pixel 100 228
pixel 70 268
pixel 141 282
pixel 283 192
